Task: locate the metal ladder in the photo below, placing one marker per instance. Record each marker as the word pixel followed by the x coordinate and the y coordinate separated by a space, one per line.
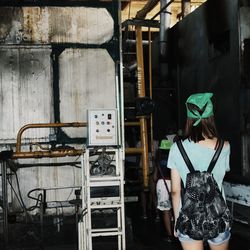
pixel 86 232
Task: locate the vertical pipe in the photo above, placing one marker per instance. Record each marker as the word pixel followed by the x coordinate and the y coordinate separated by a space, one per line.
pixel 164 25
pixel 122 128
pixel 55 54
pixel 82 224
pixel 41 220
pixel 150 91
pixel 140 63
pixel 5 203
pixel 80 245
pixel 122 195
pixel 185 7
pixel 142 93
pixel 118 107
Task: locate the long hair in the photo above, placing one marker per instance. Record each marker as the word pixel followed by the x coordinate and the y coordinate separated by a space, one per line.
pixel 206 128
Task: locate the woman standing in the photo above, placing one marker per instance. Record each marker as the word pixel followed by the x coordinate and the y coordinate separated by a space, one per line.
pixel 200 141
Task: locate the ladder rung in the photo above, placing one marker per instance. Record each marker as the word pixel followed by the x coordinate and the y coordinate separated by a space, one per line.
pixel 105 229
pixel 129 53
pixel 106 232
pixel 108 178
pixel 104 183
pixel 105 206
pixel 105 200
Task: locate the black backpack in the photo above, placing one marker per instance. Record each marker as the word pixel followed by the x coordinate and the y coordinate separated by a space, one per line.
pixel 204 213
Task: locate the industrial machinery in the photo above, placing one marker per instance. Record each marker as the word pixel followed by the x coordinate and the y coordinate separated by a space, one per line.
pixel 102 180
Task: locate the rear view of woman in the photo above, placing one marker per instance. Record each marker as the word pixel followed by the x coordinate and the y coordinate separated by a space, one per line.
pixel 200 141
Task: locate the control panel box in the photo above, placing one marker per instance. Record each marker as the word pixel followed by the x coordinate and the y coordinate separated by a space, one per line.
pixel 102 127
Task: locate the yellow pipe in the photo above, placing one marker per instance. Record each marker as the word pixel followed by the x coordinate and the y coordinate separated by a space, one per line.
pixel 150 92
pixel 140 63
pixel 143 122
pixel 133 150
pixel 44 125
pixel 48 154
pixel 145 165
pixel 131 124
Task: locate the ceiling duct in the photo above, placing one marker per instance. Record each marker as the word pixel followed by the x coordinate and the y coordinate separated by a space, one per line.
pixel 141 14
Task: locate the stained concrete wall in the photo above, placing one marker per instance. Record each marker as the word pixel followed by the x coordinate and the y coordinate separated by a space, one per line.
pixel 44 25
pixel 91 73
pixel 26 90
pixel 34 90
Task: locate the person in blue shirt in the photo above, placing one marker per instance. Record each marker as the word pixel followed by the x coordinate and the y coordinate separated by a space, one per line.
pixel 200 139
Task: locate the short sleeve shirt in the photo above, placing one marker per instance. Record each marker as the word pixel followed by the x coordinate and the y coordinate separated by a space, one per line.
pixel 200 156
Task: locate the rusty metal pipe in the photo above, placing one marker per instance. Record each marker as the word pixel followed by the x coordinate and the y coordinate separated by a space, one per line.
pixel 48 154
pixel 143 121
pixel 151 93
pixel 131 124
pixel 44 125
pixel 133 150
pixel 145 160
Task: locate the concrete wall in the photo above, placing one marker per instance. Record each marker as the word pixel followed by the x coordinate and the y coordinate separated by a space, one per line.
pixel 54 65
pixel 45 25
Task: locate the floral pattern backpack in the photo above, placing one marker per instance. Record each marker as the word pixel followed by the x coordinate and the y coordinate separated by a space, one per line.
pixel 204 213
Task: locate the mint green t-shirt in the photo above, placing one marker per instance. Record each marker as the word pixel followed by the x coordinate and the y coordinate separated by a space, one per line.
pixel 200 156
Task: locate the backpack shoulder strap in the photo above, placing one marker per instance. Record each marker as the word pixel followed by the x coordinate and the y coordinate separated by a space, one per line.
pixel 185 156
pixel 216 156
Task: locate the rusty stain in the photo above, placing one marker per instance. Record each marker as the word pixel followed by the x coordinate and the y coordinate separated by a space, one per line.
pixel 44 25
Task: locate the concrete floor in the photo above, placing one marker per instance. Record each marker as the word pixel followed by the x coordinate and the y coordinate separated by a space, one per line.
pixel 149 236
pixel 143 234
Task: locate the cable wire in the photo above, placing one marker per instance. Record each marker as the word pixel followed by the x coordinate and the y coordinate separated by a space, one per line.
pixel 13 189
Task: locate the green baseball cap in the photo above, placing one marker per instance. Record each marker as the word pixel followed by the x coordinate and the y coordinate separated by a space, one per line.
pixel 200 100
pixel 165 144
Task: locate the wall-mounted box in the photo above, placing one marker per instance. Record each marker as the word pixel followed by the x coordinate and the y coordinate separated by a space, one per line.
pixel 102 127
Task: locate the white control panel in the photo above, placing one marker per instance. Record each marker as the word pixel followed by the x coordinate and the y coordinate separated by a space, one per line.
pixel 102 127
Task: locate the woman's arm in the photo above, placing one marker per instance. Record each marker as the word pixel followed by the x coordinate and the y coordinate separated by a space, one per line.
pixel 176 193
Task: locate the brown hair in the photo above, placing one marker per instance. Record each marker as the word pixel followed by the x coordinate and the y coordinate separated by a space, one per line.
pixel 206 127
